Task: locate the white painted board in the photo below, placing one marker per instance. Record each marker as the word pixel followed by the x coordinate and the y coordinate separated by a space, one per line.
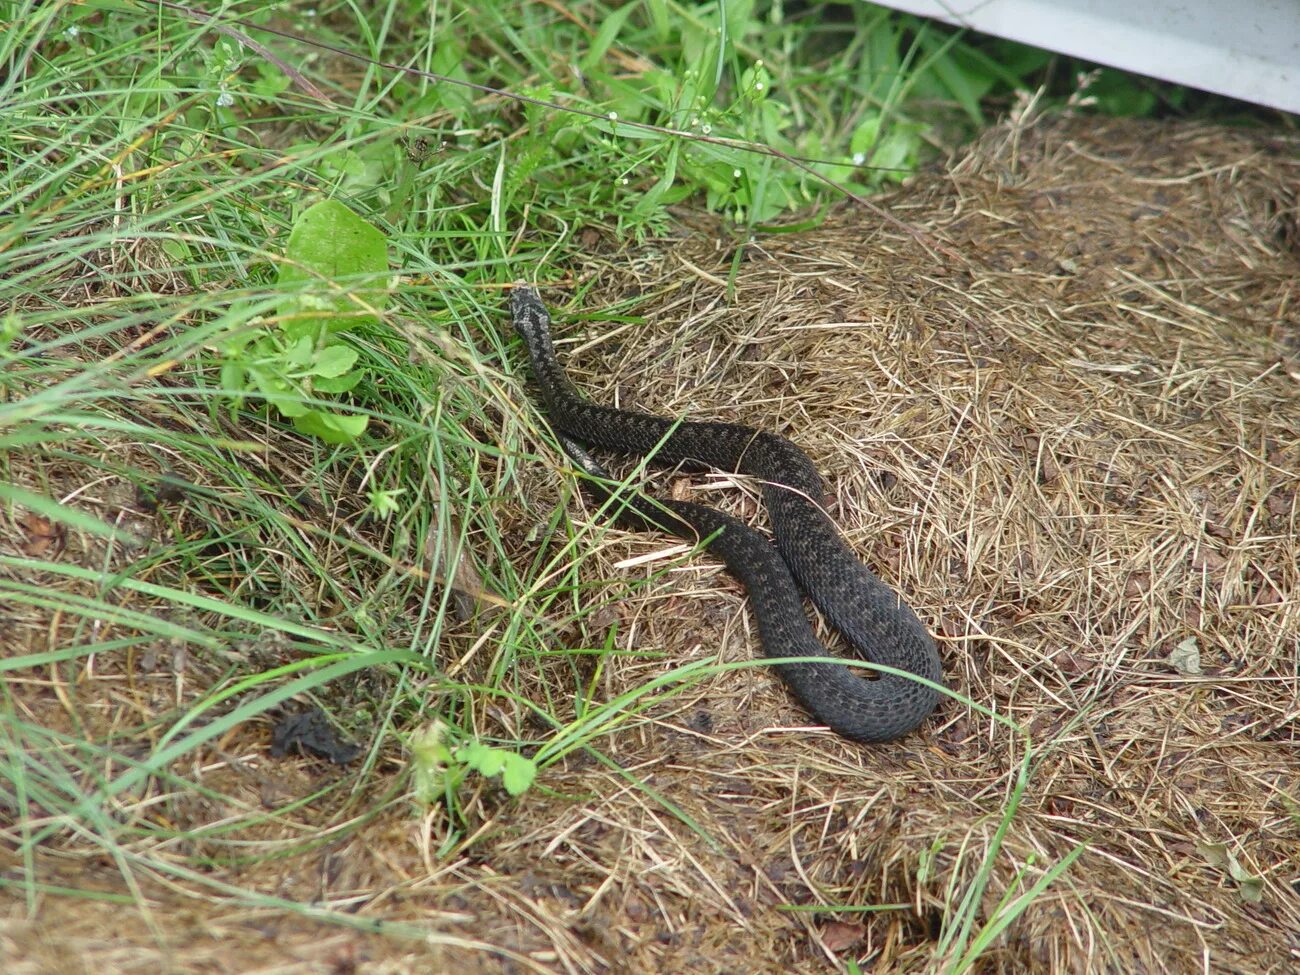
pixel 1247 49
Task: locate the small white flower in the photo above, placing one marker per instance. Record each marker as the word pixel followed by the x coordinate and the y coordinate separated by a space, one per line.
pixel 758 63
pixel 613 116
pixel 624 181
pixel 736 173
pixel 758 86
pixel 225 100
pixel 72 32
pixel 706 128
pixel 859 158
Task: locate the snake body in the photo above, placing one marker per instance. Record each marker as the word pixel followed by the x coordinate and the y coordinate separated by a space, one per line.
pixel 808 548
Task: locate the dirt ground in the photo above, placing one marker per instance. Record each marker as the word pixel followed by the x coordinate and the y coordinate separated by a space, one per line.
pixel 1055 391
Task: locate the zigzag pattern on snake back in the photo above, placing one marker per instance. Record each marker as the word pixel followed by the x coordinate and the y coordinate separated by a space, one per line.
pixel 877 624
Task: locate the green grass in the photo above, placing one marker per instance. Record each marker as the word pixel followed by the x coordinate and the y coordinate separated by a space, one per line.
pixel 153 170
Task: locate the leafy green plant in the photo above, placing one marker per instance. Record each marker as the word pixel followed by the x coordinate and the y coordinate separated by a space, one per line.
pixel 439 768
pixel 855 102
pixel 330 283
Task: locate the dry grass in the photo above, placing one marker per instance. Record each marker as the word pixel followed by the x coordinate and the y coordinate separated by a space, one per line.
pixel 1069 432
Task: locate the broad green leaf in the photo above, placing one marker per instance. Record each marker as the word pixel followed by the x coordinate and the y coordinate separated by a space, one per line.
pixel 517 774
pixel 333 361
pixel 331 427
pixel 487 761
pixel 336 385
pixel 340 261
pixel 233 378
pixel 300 353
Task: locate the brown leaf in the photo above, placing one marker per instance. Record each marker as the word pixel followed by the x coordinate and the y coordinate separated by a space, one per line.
pixel 1217 530
pixel 1070 664
pixel 1208 560
pixel 1268 595
pixel 43 536
pixel 1060 806
pixel 1280 502
pixel 1048 469
pixel 950 626
pixel 603 618
pixel 840 936
pixel 1137 584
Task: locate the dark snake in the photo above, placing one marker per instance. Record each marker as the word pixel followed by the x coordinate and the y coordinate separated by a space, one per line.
pixel 871 617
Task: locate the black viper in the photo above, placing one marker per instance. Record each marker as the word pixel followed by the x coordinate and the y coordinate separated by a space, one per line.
pixel 869 615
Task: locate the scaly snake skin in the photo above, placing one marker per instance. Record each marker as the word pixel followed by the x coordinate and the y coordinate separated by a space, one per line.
pixel 808 548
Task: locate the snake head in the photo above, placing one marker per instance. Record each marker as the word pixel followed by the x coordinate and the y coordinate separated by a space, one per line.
pixel 526 307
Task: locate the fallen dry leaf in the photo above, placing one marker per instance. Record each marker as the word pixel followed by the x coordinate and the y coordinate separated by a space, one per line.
pixel 840 936
pixel 44 537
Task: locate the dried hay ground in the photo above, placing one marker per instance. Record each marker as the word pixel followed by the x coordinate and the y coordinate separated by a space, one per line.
pixel 1064 422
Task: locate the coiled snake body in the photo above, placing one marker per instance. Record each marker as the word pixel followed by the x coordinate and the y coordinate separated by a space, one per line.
pixel 808 548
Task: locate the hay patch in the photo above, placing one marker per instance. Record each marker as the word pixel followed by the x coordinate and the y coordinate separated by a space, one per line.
pixel 1062 420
